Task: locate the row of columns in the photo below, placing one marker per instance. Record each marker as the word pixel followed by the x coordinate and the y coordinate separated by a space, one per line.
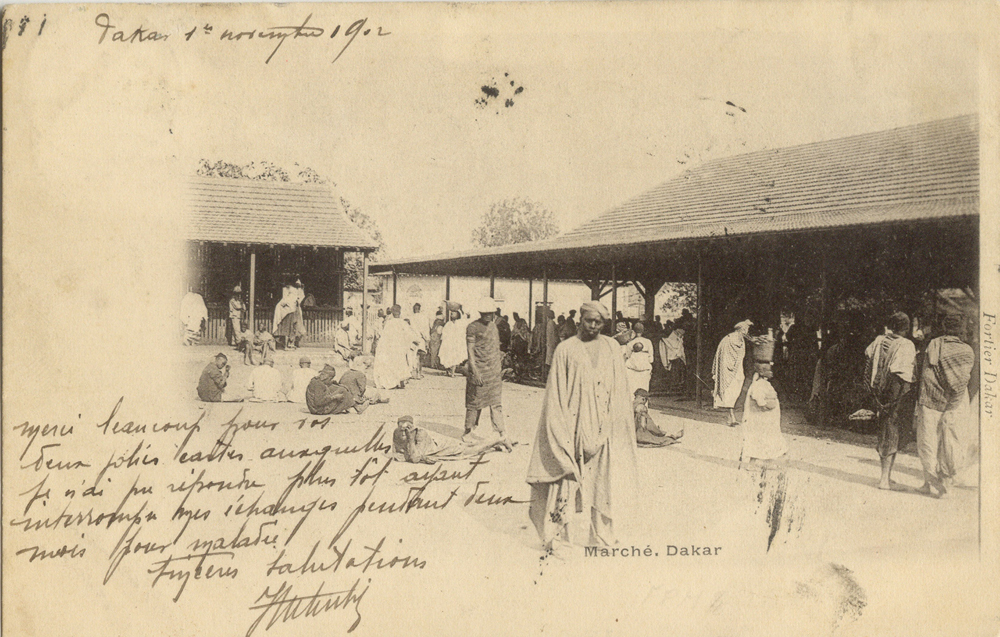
pixel 598 289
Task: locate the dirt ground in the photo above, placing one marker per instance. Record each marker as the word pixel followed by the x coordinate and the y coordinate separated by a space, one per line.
pixel 824 513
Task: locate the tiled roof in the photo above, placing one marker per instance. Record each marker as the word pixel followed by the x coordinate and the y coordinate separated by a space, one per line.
pixel 269 212
pixel 906 173
pixel 922 172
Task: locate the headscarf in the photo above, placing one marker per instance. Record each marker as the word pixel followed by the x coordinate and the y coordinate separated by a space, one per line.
pixel 595 306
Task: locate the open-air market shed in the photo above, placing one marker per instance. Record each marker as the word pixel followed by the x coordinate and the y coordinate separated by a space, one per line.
pixel 263 235
pixel 879 221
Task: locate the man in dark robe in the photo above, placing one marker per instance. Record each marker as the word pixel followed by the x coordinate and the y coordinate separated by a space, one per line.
pixel 484 382
pixel 889 375
pixel 324 396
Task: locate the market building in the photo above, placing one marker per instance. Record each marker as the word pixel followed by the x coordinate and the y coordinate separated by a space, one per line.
pixel 866 224
pixel 263 235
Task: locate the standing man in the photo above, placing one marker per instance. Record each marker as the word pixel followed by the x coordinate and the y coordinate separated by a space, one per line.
pixel 944 399
pixel 194 316
pixel 484 381
pixel 503 329
pixel 233 326
pixel 638 354
pixel 889 375
pixel 763 442
pixel 583 466
pixel 422 327
pixel 687 322
pixel 551 339
pixel 213 379
pixel 391 367
pixel 727 369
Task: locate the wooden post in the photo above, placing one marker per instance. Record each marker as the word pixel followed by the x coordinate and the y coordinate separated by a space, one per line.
pixel 545 297
pixel 493 283
pixel 614 298
pixel 824 302
pixel 364 301
pixel 531 307
pixel 394 284
pixel 699 346
pixel 253 289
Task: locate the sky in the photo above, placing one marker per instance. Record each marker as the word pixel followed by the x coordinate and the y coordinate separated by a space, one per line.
pixel 613 103
pixel 101 137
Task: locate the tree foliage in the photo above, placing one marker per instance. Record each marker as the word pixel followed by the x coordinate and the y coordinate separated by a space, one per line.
pixel 259 171
pixel 353 262
pixel 513 221
pixel 678 296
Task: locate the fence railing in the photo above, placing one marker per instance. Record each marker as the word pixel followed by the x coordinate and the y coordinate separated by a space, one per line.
pixel 320 324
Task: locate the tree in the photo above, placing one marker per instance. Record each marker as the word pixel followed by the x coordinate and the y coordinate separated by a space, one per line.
pixel 268 171
pixel 514 221
pixel 353 262
pixel 678 297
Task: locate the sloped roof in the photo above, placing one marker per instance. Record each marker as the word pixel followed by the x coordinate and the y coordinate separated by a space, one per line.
pixel 913 172
pixel 923 172
pixel 270 212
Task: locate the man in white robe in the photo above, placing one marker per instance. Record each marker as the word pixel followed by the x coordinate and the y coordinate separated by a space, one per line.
pixel 193 315
pixel 638 360
pixel 583 466
pixel 727 369
pixel 265 383
pixel 300 380
pixel 391 367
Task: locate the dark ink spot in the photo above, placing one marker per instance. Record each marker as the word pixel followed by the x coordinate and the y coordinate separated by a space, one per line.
pixel 735 106
pixel 367 31
pixel 492 91
pixel 508 103
pixel 518 89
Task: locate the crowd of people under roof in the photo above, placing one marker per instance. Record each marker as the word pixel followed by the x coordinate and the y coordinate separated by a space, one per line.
pixel 595 411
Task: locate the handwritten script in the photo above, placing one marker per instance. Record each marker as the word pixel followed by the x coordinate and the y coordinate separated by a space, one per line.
pixel 271 37
pixel 298 518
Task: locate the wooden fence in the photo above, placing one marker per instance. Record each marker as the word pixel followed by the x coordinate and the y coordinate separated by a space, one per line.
pixel 320 323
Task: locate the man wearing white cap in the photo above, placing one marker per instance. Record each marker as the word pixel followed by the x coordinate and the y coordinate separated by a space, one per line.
pixel 484 381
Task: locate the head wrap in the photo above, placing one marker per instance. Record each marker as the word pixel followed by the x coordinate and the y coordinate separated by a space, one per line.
pixel 486 305
pixel 953 324
pixel 744 324
pixel 642 393
pixel 596 307
pixel 305 359
pixel 403 419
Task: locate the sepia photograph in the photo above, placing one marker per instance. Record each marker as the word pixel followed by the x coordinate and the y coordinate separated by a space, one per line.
pixel 490 318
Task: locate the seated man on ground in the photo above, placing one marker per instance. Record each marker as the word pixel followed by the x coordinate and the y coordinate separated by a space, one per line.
pixel 324 396
pixel 647 433
pixel 343 343
pixel 213 379
pixel 355 380
pixel 300 380
pixel 265 383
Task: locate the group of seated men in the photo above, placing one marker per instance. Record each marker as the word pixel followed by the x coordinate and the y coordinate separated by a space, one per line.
pixel 321 391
